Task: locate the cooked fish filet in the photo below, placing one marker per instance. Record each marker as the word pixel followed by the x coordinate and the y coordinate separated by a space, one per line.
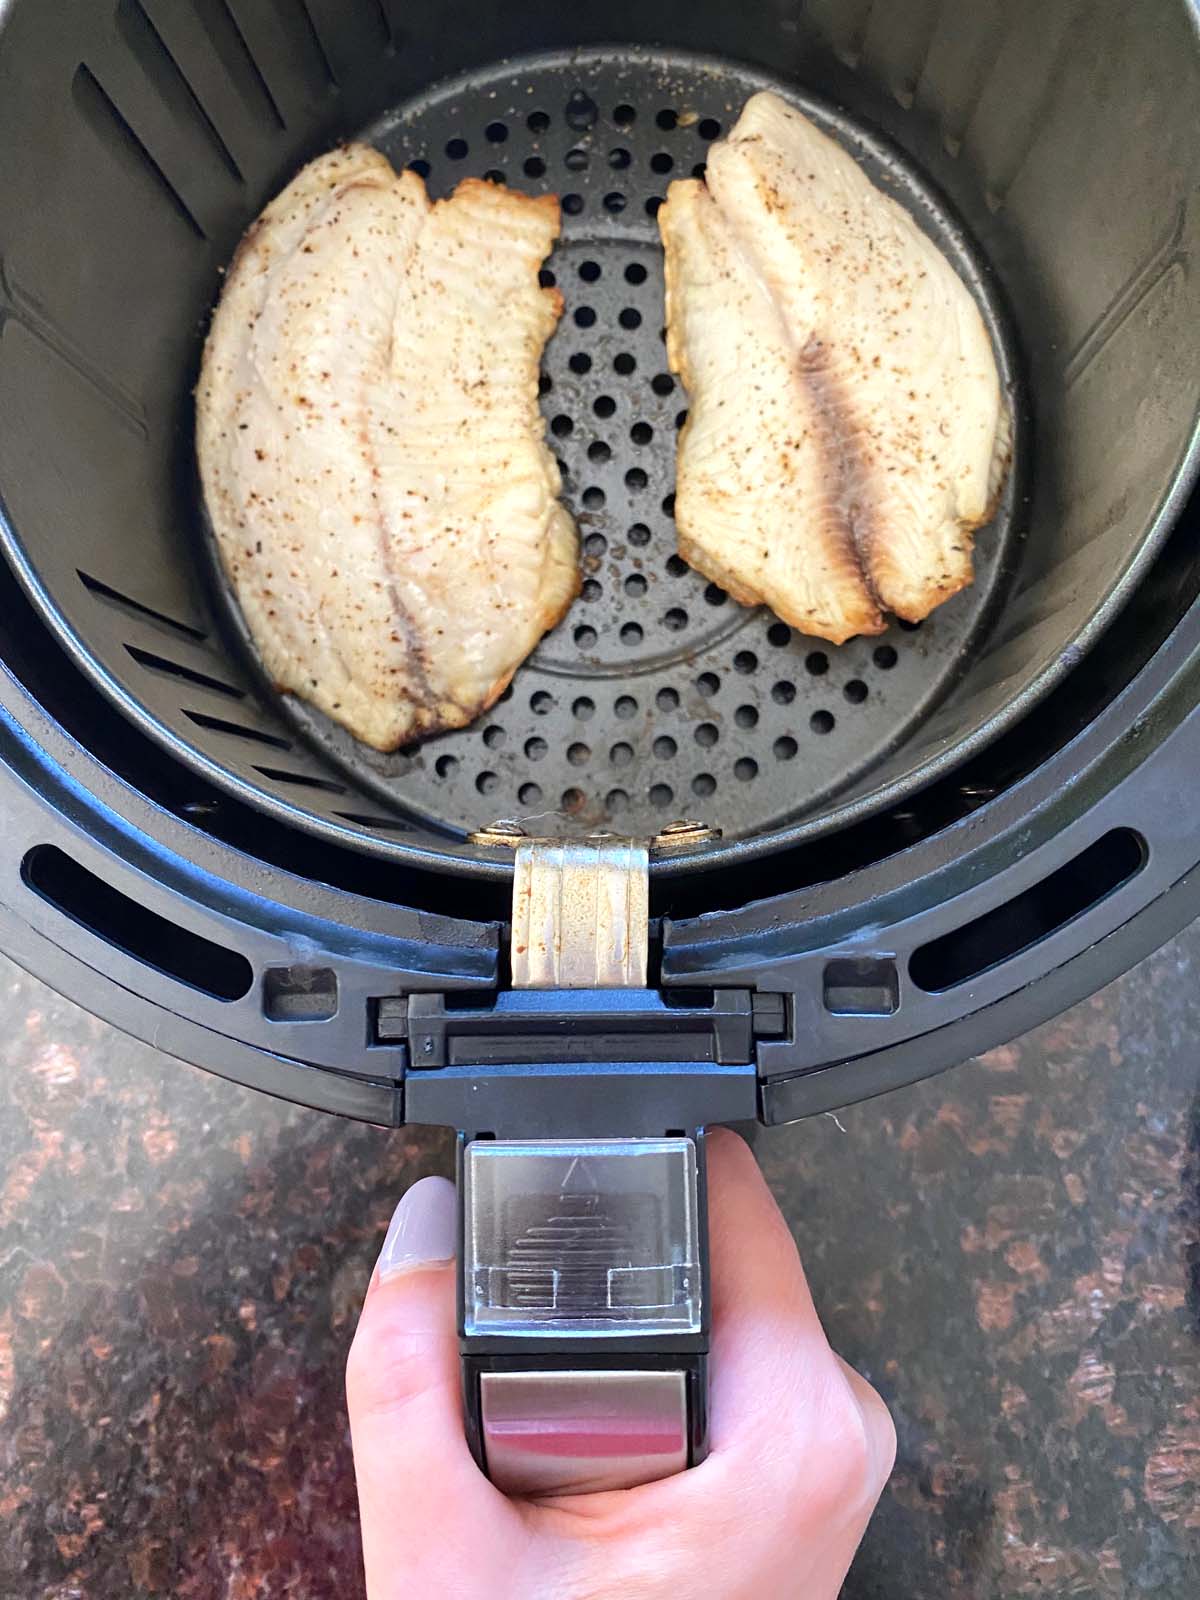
pixel 899 434
pixel 756 507
pixel 371 448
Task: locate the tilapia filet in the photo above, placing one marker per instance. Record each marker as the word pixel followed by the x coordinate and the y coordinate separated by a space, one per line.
pixel 847 430
pixel 371 448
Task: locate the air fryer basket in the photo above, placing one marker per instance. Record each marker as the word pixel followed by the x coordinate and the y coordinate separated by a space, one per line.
pixel 1049 149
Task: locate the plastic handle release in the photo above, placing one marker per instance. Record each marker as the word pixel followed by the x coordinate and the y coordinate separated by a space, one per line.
pixel 584 1315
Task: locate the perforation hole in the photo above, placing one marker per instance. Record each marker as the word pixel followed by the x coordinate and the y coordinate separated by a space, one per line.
pixel 580 362
pixel 572 204
pixel 662 383
pixel 816 662
pixel 621 754
pixel 745 662
pixel 676 567
pixel 616 801
pixel 585 636
pixel 661 795
pixel 572 801
pixel 595 545
pixel 667 700
pixel 708 683
pixel 631 633
pixel 639 534
pixel 535 748
pixel 709 129
pixel 746 717
pixel 487 782
pixel 537 121
pixel 585 317
pixel 779 634
pixel 745 769
pixel 496 132
pixel 615 202
pixel 667 119
pixel 668 504
pixel 704 784
pixel 591 590
pixel 457 149
pixel 584 709
pixel 661 162
pixel 635 585
pixel 783 692
pixel 654 205
pixel 630 318
pixel 576 160
pixel 624 116
pixel 822 722
pixel 530 795
pixel 562 426
pixel 884 657
pixel 534 167
pixel 714 595
pixel 635 273
pixel 494 736
pixel 664 747
pixel 676 619
pixel 579 754
pixel 619 158
pixel 641 433
pixel 855 691
pixel 706 734
pixel 604 405
pixel 624 364
pixel 420 166
pixel 546 278
pixel 599 451
pixel 541 703
pixel 636 479
pixel 581 112
pixel 446 766
pixel 785 748
pixel 625 707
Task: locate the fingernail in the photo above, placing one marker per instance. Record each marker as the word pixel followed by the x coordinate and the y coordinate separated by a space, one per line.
pixel 422 1228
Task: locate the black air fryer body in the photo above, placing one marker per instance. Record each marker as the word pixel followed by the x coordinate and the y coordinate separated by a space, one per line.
pixel 930 841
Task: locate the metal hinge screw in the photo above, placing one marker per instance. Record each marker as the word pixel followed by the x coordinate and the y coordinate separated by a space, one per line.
pixel 504 832
pixel 685 835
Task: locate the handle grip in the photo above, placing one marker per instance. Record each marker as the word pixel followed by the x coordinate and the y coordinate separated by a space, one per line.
pixel 583 1310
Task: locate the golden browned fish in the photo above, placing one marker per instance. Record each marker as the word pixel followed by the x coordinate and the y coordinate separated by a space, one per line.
pixel 842 385
pixel 371 448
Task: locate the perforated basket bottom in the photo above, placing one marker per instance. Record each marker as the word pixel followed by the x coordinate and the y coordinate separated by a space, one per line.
pixel 657 696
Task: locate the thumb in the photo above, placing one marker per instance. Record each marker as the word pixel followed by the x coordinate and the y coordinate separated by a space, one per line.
pixel 415 1472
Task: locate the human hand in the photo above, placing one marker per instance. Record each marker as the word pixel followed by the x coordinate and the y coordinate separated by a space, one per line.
pixel 801 1445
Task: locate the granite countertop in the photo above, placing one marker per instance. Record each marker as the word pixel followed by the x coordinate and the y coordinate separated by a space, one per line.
pixel 1011 1252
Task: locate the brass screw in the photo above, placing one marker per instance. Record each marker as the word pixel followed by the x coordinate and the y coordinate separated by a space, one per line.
pixel 504 832
pixel 685 835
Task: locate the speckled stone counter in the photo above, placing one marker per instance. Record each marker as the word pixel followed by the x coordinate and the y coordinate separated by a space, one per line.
pixel 1011 1252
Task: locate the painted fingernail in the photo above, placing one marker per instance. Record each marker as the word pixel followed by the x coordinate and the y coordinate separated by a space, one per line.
pixel 422 1228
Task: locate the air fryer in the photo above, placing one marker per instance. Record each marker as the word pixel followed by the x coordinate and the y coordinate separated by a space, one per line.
pixel 904 850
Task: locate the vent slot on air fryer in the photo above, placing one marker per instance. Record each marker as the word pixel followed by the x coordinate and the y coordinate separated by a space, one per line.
pixel 862 986
pixel 133 928
pixel 1004 932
